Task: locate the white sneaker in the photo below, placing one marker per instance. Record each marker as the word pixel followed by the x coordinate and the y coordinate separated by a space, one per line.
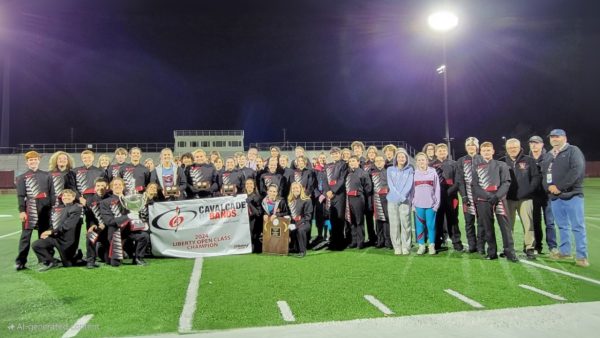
pixel 432 249
pixel 421 249
pixel 405 252
pixel 397 252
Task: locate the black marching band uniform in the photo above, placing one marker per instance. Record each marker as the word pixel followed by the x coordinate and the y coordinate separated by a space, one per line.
pixel 464 175
pixel 96 241
pixel 268 178
pixel 255 213
pixel 63 236
pixel 230 182
pixel 336 175
pixel 446 219
pixel 320 204
pixel 301 212
pixel 85 178
pixel 35 194
pixel 358 189
pixel 491 181
pixel 136 177
pixel 202 181
pixel 380 207
pixel 121 228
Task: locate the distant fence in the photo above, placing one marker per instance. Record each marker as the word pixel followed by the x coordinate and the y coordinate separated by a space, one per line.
pixel 96 147
pixel 592 169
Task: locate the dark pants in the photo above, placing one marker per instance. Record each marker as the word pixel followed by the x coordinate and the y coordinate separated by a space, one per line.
pixel 447 215
pixel 336 213
pixel 25 243
pixel 371 226
pixel 256 228
pixel 320 217
pixel 44 249
pixel 485 213
pixel 140 239
pixel 541 205
pixel 383 234
pixel 300 236
pixel 357 215
pixel 100 248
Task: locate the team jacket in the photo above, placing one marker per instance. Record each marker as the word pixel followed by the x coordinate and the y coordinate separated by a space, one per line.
pixel 321 183
pixel 202 180
pixel 464 176
pixel 525 177
pixel 114 170
pixel 267 179
pixel 64 228
pixel 489 179
pixel 85 179
pixel 367 166
pixel 113 213
pixel 358 183
pixel 288 175
pixel 62 180
pixel 35 194
pixel 306 177
pixel 93 203
pixel 380 191
pixel 231 182
pixel 447 171
pixel 254 205
pixel 336 176
pixel 301 212
pixel 136 177
pixel 247 173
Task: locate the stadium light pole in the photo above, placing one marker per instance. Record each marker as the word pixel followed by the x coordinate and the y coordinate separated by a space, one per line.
pixel 444 22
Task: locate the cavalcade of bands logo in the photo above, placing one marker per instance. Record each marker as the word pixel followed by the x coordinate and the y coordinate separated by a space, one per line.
pixel 175 219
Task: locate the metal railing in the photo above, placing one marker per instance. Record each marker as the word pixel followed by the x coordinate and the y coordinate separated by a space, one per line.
pixel 8 150
pixel 208 133
pixel 326 145
pixel 96 147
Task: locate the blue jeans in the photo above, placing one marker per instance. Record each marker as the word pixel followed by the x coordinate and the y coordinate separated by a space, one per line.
pixel 541 205
pixel 425 218
pixel 568 215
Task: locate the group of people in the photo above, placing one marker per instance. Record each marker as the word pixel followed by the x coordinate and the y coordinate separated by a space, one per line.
pixel 360 197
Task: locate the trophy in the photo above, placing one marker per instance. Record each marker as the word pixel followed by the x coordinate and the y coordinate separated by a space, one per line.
pixel 134 203
pixel 171 191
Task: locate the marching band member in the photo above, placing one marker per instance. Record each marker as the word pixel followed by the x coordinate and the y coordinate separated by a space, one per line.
pixel 114 169
pixel 121 227
pixel 187 160
pixel 202 177
pixel 299 151
pixel 272 177
pixel 429 151
pixel 379 203
pixel 97 239
pixel 301 211
pixel 336 195
pixel 135 175
pixel 169 177
pixel 59 167
pixel 149 163
pixel 103 162
pixel 464 175
pixel 255 213
pixel 358 148
pixel 230 180
pixel 245 172
pixel 273 204
pixel 214 156
pixel 358 187
pixel 35 195
pixel 346 153
pixel 320 201
pixel 85 176
pixel 62 236
pixel 369 164
pixel 287 173
pixel 219 164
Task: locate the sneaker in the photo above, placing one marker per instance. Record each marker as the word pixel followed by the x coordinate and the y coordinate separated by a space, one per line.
pixel 582 262
pixel 557 255
pixel 92 265
pixel 432 249
pixel 421 249
pixel 19 266
pixel 405 252
pixel 47 267
pixel 139 262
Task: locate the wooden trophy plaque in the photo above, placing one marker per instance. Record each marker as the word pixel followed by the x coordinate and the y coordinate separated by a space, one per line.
pixel 276 236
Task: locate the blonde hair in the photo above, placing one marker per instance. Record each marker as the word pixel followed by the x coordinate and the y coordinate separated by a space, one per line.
pixel 87 151
pixel 303 195
pixel 390 147
pixel 100 159
pixel 121 151
pixel 54 158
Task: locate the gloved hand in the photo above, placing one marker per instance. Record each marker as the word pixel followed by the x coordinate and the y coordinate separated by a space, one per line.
pixel 493 200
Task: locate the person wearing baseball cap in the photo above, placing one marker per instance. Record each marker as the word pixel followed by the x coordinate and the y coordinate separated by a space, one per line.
pixel 563 171
pixel 541 204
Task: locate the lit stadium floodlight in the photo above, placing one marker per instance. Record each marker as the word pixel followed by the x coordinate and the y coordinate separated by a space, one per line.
pixel 442 21
pixel 441 69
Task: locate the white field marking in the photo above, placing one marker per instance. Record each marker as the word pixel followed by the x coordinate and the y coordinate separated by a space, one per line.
pixel 285 310
pixel 542 292
pixel 6 216
pixel 379 305
pixel 79 324
pixel 189 307
pixel 542 266
pixel 12 233
pixel 464 298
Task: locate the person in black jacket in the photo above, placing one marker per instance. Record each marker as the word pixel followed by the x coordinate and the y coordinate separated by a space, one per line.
pixel 447 213
pixel 301 211
pixel 35 196
pixel 491 180
pixel 202 177
pixel 336 196
pixel 563 172
pixel 525 179
pixel 273 204
pixel 255 213
pixel 96 239
pixel 272 177
pixel 62 236
pixel 358 188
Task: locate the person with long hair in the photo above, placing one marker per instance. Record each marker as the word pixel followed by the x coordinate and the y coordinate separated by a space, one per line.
pixel 230 179
pixel 320 202
pixel 389 153
pixel 425 201
pixel 202 177
pixel 59 167
pixel 301 211
pixel 272 177
pixel 170 178
pixel 400 181
pixel 103 162
pixel 273 204
pixel 429 151
pixel 255 213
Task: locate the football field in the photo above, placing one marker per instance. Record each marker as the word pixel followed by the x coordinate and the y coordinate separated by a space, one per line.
pixel 260 290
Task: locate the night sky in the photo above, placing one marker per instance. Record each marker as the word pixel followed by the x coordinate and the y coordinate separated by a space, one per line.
pixel 133 71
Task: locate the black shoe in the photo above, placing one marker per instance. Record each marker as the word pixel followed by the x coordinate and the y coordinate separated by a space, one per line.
pixel 362 246
pixel 321 245
pixel 491 257
pixel 19 267
pixel 352 246
pixel 140 262
pixel 472 251
pixel 47 267
pixel 379 246
pixel 530 255
pixel 512 258
pixel 502 255
pixel 301 255
pixel 92 265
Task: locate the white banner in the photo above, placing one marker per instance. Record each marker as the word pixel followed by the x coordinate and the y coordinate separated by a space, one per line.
pixel 200 227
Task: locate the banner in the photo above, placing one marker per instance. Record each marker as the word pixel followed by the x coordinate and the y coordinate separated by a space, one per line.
pixel 200 227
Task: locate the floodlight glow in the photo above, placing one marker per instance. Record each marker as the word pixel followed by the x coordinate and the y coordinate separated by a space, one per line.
pixel 442 21
pixel 441 69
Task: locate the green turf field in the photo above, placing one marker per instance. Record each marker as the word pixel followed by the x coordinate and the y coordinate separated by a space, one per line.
pixel 242 291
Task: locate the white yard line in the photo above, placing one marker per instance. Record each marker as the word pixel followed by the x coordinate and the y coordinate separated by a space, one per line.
pixel 189 307
pixel 542 292
pixel 12 233
pixel 6 216
pixel 464 299
pixel 79 324
pixel 541 266
pixel 286 312
pixel 379 305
